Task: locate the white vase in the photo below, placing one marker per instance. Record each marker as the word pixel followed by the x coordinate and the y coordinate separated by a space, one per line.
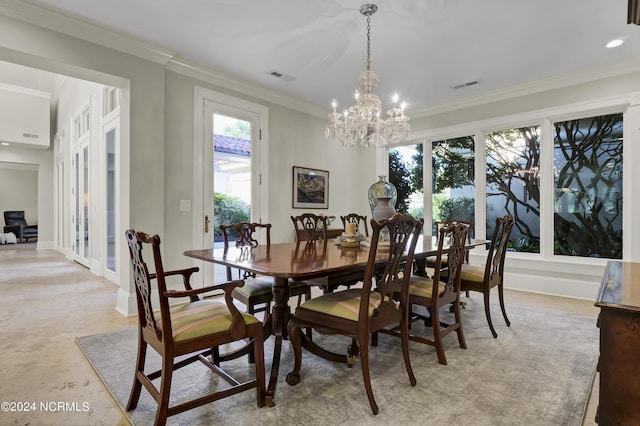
pixel 383 210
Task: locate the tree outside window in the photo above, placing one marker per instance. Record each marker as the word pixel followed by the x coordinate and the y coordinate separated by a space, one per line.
pixel 513 184
pixel 588 187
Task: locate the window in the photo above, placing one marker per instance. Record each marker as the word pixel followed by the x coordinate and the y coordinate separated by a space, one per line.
pixel 453 194
pixel 405 173
pixel 588 187
pixel 110 100
pixel 82 124
pixel 513 184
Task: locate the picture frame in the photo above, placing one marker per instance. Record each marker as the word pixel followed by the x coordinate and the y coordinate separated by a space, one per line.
pixel 310 188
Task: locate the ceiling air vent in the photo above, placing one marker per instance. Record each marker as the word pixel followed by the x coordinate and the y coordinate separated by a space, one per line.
pixel 283 76
pixel 467 84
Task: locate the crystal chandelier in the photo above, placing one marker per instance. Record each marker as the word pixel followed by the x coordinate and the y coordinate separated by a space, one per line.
pixel 361 123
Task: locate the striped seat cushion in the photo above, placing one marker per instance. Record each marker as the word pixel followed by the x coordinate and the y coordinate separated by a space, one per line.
pixel 431 261
pixel 422 287
pixel 201 318
pixel 342 304
pixel 474 274
pixel 255 287
pixel 262 287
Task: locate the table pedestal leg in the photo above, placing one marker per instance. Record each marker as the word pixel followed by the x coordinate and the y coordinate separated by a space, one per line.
pixel 280 316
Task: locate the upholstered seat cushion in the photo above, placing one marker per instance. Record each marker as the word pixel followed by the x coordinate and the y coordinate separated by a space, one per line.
pixel 422 287
pixel 262 287
pixel 201 318
pixel 342 304
pixel 431 261
pixel 255 287
pixel 470 274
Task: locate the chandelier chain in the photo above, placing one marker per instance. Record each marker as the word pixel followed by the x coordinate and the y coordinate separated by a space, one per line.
pixel 368 42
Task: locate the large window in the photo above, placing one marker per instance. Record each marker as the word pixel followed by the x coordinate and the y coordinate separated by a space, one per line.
pixel 405 173
pixel 513 184
pixel 588 187
pixel 453 189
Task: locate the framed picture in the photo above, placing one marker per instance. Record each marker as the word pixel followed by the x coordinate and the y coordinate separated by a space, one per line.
pixel 310 188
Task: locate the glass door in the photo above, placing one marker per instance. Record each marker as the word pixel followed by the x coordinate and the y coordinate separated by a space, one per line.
pixel 81 204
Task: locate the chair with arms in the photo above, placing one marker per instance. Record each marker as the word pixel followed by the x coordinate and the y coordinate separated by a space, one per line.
pixel 358 312
pixel 195 327
pixel 483 279
pixel 358 220
pixel 434 294
pixel 17 224
pixel 256 290
pixel 310 227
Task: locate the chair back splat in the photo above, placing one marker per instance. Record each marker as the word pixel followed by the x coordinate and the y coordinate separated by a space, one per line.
pixel 310 227
pixel 195 329
pixel 358 312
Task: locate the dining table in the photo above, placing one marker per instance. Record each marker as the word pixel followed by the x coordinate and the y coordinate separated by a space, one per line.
pixel 301 261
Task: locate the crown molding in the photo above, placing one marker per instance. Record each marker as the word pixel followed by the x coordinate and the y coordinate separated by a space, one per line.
pixel 81 29
pixel 24 90
pixel 534 86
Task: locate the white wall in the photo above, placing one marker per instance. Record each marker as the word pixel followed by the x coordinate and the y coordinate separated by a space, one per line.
pixel 19 190
pixel 42 161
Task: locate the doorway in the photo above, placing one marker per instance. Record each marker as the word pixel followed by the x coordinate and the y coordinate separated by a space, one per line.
pixel 230 153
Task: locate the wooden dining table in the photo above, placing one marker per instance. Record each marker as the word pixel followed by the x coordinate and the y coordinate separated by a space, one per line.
pixel 300 261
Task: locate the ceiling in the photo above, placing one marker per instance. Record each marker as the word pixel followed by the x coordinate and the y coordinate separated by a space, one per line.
pixel 422 49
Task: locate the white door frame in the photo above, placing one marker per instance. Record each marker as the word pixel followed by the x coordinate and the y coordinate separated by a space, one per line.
pixel 260 161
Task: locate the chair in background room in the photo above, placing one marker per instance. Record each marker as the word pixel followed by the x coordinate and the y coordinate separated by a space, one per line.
pixel 434 294
pixel 358 312
pixel 483 279
pixel 310 227
pixel 15 223
pixel 193 328
pixel 360 221
pixel 256 290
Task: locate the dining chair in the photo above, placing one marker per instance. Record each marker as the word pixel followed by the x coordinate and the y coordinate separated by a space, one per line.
pixel 434 294
pixel 311 227
pixel 483 279
pixel 185 333
pixel 256 294
pixel 358 312
pixel 359 220
pixel 431 260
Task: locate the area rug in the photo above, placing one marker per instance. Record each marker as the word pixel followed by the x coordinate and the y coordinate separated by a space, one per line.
pixel 539 371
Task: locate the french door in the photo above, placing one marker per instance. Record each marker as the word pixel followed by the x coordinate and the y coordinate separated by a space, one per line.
pixel 232 186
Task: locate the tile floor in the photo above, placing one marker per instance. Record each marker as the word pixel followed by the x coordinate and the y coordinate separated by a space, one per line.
pixel 48 300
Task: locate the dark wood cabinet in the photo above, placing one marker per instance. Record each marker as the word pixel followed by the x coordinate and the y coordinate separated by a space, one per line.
pixel 619 363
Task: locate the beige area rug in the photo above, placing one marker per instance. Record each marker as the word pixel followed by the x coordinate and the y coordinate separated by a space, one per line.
pixel 539 371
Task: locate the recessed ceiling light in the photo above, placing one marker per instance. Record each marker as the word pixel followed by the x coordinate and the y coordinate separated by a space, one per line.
pixel 615 43
pixel 5 143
